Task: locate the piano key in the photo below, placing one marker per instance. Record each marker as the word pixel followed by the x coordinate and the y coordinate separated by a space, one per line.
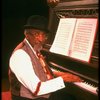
pixel 87 86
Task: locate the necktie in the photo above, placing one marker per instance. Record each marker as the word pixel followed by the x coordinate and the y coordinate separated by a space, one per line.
pixel 45 66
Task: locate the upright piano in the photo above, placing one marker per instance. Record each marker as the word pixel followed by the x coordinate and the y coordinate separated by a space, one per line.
pixel 87 89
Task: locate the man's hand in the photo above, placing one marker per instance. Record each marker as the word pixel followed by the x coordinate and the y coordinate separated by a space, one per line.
pixel 68 77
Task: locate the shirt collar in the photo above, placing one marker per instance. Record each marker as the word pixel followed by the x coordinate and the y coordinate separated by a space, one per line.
pixel 30 46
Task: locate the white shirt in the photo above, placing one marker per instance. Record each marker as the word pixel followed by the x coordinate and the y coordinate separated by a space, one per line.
pixel 20 63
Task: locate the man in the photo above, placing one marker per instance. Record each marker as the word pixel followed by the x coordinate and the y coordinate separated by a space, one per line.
pixel 29 79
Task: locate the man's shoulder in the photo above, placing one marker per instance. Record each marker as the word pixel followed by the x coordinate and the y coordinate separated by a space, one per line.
pixel 19 46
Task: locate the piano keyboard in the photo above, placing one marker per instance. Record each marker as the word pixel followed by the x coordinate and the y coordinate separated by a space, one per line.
pixel 83 85
pixel 87 86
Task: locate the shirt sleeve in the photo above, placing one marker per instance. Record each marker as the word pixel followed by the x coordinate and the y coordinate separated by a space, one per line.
pixel 21 65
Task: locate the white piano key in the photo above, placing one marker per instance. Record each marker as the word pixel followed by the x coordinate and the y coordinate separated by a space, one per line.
pixel 87 87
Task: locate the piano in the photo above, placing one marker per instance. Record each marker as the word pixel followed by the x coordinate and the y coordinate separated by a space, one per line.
pixel 88 88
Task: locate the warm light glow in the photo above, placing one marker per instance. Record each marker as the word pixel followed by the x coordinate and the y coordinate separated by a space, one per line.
pixel 53 3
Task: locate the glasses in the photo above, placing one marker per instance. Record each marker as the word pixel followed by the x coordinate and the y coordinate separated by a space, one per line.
pixel 40 33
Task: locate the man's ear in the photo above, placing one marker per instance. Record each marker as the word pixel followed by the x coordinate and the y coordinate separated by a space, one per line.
pixel 26 35
pixel 25 32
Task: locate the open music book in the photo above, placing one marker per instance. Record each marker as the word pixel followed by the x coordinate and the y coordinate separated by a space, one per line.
pixel 75 37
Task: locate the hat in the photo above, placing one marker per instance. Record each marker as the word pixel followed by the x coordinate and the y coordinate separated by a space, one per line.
pixel 37 22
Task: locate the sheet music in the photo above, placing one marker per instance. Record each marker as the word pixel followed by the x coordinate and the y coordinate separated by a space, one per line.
pixel 83 38
pixel 63 36
pixel 75 37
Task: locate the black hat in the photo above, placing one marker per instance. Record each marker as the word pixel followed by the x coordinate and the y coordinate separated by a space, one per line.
pixel 37 22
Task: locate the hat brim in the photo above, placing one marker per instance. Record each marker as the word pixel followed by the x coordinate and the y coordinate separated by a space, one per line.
pixel 32 27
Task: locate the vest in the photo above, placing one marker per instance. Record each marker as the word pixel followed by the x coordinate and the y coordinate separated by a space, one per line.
pixel 16 87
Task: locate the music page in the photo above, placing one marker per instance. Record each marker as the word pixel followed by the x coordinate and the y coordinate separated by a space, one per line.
pixel 83 39
pixel 63 36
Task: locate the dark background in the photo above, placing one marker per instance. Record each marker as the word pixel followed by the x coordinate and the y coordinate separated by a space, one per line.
pixel 14 16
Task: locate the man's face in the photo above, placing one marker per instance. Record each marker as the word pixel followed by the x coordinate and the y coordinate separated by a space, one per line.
pixel 37 37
